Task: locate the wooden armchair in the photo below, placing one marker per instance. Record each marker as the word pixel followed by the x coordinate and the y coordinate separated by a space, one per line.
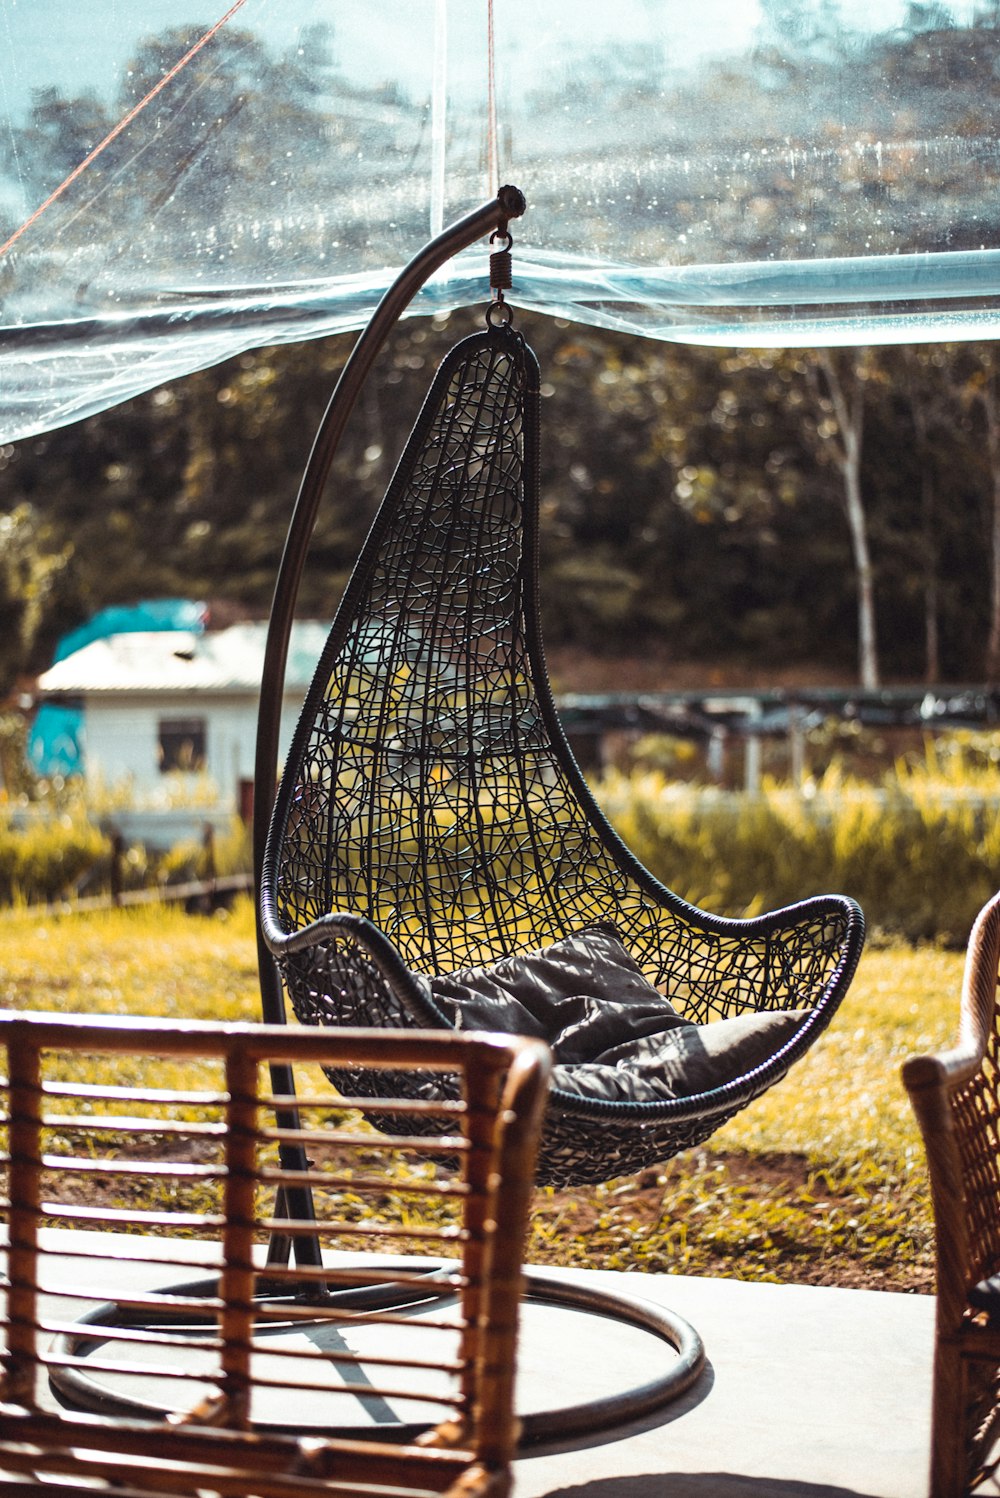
pixel 956 1097
pixel 141 1155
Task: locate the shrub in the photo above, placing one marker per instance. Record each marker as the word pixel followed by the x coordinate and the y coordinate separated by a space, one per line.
pixel 920 853
pixel 54 850
pixel 45 858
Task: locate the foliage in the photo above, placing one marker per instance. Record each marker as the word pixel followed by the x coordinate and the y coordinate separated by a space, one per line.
pixel 61 844
pixel 192 859
pixel 689 497
pixel 42 860
pixel 17 780
pixel 920 851
pixel 821 1180
pixel 34 560
pixel 919 847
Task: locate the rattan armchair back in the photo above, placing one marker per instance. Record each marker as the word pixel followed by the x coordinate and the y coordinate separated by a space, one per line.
pixel 138 1154
pixel 956 1097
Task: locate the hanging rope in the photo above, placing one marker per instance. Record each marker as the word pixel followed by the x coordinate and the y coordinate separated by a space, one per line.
pixel 439 116
pixel 122 125
pixel 492 151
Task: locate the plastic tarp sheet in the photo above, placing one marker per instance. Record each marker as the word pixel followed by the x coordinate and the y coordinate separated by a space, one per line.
pixel 737 172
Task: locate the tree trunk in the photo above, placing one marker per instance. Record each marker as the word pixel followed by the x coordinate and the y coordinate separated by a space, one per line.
pixel 932 631
pixel 992 412
pixel 929 551
pixel 850 419
pixel 867 641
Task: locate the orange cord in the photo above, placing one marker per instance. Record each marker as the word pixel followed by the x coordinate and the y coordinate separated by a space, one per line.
pixel 122 124
pixel 492 153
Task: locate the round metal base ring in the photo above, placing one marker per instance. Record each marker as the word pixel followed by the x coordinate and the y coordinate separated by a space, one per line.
pixel 78 1388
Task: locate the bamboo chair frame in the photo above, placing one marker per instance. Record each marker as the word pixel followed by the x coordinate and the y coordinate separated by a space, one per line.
pixel 956 1097
pixel 204 1163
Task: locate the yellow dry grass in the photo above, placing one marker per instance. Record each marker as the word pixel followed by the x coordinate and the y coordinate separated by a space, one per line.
pixel 822 1179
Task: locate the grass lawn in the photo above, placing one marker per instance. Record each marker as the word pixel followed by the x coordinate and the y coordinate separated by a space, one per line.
pixel 822 1181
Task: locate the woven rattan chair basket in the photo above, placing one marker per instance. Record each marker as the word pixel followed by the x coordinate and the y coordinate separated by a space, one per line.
pixel 955 1095
pixel 431 814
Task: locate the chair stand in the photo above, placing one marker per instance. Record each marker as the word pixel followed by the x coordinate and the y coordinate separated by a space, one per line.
pixel 79 1390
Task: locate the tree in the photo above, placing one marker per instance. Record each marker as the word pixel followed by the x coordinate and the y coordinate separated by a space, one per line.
pixel 30 564
pixel 980 389
pixel 838 387
pixel 59 133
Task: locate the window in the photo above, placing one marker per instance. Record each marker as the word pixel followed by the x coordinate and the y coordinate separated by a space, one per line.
pixel 182 744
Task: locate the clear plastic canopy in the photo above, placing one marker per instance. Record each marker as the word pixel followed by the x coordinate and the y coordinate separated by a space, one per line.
pixel 756 172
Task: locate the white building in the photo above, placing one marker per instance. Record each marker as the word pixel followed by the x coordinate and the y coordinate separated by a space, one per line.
pixel 178 702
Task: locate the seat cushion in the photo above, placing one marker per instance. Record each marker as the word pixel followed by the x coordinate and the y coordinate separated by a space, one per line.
pixel 582 995
pixel 682 1061
pixel 613 1035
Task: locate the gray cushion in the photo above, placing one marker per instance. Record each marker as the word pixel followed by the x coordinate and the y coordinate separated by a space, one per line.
pixel 581 995
pixel 613 1035
pixel 688 1059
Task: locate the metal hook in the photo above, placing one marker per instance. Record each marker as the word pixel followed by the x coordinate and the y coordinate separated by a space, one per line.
pixel 494 319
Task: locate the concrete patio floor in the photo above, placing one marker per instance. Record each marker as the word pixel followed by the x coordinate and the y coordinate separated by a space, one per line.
pixel 807 1393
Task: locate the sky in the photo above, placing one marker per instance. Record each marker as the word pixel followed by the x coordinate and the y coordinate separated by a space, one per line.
pixel 73 45
pixel 597 194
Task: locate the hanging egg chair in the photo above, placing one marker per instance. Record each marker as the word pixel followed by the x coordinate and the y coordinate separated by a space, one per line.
pixel 435 858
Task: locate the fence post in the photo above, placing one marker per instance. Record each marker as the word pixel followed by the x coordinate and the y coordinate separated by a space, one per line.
pixel 751 754
pixel 117 866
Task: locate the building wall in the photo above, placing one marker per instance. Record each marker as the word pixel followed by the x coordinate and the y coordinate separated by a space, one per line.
pixel 122 738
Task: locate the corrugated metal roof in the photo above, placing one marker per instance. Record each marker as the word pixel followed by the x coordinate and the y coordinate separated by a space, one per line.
pixel 227 660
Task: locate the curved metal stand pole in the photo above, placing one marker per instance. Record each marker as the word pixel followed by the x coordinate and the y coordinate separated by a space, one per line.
pixel 509 203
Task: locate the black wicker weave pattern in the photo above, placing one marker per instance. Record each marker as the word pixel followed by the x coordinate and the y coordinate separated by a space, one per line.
pixel 976 1111
pixel 430 789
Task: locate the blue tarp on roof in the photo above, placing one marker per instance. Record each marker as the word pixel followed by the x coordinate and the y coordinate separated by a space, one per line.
pixel 151 615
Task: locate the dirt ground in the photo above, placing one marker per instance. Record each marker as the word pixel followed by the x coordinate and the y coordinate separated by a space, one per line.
pixel 766 1220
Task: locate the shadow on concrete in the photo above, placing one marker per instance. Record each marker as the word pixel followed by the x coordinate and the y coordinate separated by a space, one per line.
pixel 701 1485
